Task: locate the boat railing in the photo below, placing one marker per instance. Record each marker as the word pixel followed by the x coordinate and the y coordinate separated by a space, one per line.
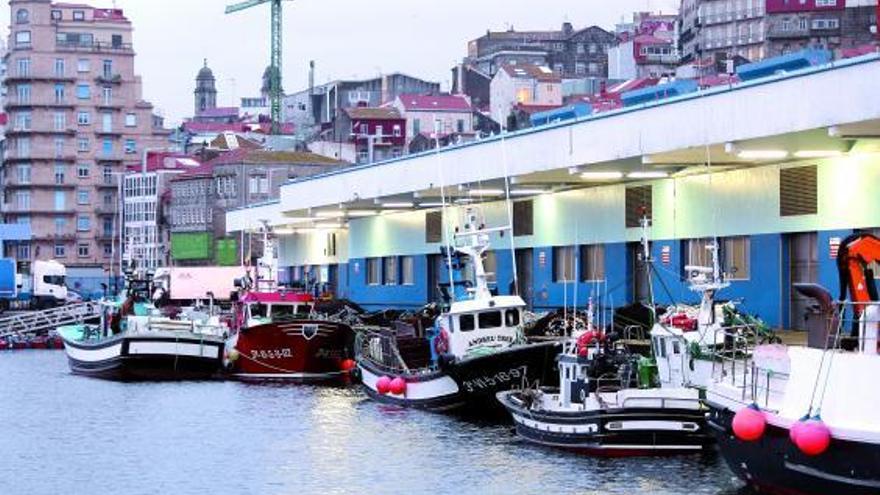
pixel 664 401
pixel 379 346
pixel 731 358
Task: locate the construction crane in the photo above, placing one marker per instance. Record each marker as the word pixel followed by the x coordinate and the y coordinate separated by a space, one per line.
pixel 275 64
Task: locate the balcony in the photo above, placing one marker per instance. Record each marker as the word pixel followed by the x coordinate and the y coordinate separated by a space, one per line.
pixel 115 104
pixel 15 103
pixel 109 79
pixel 37 236
pixel 35 78
pixel 780 32
pixel 106 185
pixel 655 58
pixel 37 210
pixel 19 130
pixel 42 184
pixel 111 158
pixel 108 132
pixel 13 157
pixel 738 15
pixel 95 47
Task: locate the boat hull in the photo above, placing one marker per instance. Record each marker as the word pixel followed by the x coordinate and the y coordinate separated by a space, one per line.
pixel 773 464
pixel 140 357
pixel 468 384
pixel 299 350
pixel 611 432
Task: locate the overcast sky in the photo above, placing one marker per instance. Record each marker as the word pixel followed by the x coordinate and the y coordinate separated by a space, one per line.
pixel 346 39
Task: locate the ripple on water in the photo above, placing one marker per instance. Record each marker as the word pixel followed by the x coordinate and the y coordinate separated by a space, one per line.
pixel 68 434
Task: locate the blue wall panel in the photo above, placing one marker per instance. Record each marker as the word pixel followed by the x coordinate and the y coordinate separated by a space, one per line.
pixel 374 297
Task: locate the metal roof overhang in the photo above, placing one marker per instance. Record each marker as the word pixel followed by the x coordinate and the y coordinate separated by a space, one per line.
pixel 827 108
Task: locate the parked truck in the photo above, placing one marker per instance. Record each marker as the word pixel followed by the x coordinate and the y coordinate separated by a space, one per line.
pixel 198 282
pixel 44 287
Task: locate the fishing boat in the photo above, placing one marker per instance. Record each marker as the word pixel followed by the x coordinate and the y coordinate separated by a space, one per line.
pixel 475 349
pixel 133 342
pixel 802 420
pixel 278 335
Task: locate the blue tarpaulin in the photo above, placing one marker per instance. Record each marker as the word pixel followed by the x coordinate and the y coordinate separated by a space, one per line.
pixel 783 63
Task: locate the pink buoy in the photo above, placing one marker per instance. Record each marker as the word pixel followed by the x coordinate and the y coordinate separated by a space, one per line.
pixel 749 424
pixel 398 386
pixel 795 430
pixel 813 437
pixel 347 364
pixel 383 385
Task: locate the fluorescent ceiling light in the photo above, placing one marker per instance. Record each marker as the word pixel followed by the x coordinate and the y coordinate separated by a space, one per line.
pixel 526 191
pixel 361 213
pixel 298 219
pixel 651 174
pixel 284 231
pixel 817 153
pixel 397 205
pixel 330 214
pixel 486 192
pixel 328 225
pixel 763 154
pixel 431 205
pixel 601 175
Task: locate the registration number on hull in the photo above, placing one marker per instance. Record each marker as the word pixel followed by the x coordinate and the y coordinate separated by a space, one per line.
pixel 498 379
pixel 271 353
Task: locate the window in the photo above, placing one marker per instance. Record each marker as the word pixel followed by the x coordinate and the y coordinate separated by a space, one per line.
pixel 23 146
pixel 511 318
pixel 389 269
pixel 79 15
pixel 523 221
pixel 56 15
pixel 466 323
pixel 433 226
pixel 407 270
pixel 60 250
pixel 60 225
pixel 23 251
pixel 83 223
pixel 459 126
pixel 23 121
pixel 107 174
pixel 82 250
pixel 107 249
pixel 107 226
pixel 380 131
pixel 23 173
pixel 131 147
pixel 60 169
pixel 107 122
pixel 563 264
pixel 83 118
pixel 107 95
pixel 83 65
pixel 82 196
pixel 826 3
pixel 736 257
pixel 83 91
pixel 82 144
pixel 638 204
pixel 593 68
pixel 373 271
pixel 24 67
pixel 107 147
pixel 60 201
pixel 592 262
pixel 59 93
pixel 22 16
pixel 23 92
pixel 59 121
pixel 580 68
pixel 417 127
pixel 108 199
pixel 108 69
pixel 489 319
pixel 396 131
pixel 23 39
pixel 23 200
pixel 130 120
pixel 59 67
pixel 82 170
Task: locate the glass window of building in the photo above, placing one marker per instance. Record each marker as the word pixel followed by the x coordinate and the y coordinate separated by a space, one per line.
pixel 592 262
pixel 59 121
pixel 83 170
pixel 563 264
pixel 83 91
pixel 82 196
pixel 373 273
pixel 82 250
pixel 407 270
pixel 23 173
pixel 22 39
pixel 83 65
pixel 83 118
pixel 59 67
pixel 130 120
pixel 60 170
pixel 60 250
pixel 24 67
pixel 83 223
pixel 390 270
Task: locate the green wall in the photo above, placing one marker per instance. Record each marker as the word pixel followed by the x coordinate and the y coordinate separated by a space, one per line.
pixel 191 246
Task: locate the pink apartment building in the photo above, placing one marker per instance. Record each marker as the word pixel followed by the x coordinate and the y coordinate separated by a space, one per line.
pixel 76 120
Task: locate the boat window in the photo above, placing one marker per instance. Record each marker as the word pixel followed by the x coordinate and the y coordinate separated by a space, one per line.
pixel 511 317
pixel 258 310
pixel 661 346
pixel 283 310
pixel 490 319
pixel 466 323
pixel 567 373
pixel 675 347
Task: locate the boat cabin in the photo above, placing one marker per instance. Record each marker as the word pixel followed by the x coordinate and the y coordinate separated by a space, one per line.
pixel 261 307
pixel 478 326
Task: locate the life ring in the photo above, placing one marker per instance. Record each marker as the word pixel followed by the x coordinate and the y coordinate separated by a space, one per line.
pixel 441 343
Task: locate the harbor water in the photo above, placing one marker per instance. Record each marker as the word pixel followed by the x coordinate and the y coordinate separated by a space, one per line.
pixel 65 434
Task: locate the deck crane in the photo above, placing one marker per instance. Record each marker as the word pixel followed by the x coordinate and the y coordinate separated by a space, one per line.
pixel 275 64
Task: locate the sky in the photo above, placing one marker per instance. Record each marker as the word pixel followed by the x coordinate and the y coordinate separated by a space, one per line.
pixel 345 38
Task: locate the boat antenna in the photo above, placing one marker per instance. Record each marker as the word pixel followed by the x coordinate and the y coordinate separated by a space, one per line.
pixel 509 204
pixel 444 211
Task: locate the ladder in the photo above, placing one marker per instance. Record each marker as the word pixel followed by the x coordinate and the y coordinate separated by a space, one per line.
pixel 35 322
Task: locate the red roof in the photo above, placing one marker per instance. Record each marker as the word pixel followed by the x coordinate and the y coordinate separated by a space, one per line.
pixel 277 297
pixel 157 160
pixel 433 103
pixel 219 112
pixel 858 51
pixel 198 127
pixel 650 39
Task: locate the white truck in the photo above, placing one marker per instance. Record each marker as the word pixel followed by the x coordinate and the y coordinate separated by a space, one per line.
pixel 192 283
pixel 44 287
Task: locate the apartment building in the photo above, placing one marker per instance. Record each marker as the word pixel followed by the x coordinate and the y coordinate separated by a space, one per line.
pixel 76 119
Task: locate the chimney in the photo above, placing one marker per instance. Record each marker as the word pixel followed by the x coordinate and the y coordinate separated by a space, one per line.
pixel 311 77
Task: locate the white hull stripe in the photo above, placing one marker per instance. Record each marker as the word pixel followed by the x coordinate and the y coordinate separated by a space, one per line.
pixel 94 356
pixel 610 426
pixel 441 386
pixel 174 348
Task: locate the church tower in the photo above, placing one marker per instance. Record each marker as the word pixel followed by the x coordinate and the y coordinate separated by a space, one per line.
pixel 206 90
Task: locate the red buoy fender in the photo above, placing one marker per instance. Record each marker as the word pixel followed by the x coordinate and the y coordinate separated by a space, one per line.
pixel 397 386
pixel 383 385
pixel 813 437
pixel 749 424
